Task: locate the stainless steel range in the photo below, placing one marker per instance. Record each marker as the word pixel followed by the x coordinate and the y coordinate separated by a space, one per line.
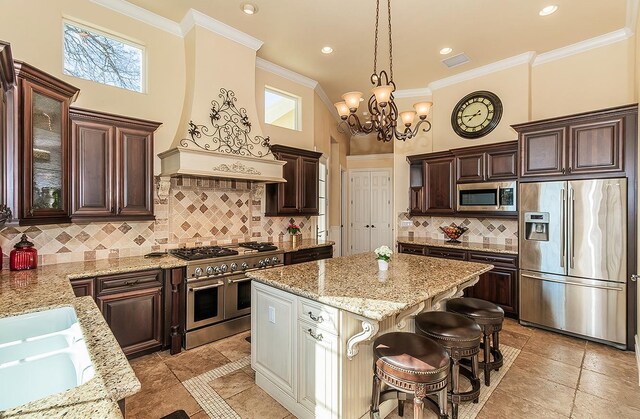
pixel 218 296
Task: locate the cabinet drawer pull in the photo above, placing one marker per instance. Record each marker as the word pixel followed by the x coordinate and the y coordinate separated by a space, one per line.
pixel 131 283
pixel 317 319
pixel 316 337
pixel 119 210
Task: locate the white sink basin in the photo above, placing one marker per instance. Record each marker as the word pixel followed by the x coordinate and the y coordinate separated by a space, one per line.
pixel 41 354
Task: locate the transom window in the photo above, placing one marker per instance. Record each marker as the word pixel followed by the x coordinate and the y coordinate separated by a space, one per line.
pixel 281 109
pixel 93 55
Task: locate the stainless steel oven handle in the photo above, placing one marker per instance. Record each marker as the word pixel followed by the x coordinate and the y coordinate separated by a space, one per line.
pixel 235 281
pixel 207 287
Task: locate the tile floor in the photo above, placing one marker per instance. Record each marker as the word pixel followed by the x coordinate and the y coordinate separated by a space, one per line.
pixel 553 376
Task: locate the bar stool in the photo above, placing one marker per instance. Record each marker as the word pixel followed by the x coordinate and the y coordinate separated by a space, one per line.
pixel 413 365
pixel 460 336
pixel 489 317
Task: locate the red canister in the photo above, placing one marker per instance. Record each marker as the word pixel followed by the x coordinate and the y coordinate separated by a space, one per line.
pixel 23 256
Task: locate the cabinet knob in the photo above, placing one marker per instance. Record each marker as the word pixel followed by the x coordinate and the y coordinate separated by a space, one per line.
pixel 119 210
pixel 563 171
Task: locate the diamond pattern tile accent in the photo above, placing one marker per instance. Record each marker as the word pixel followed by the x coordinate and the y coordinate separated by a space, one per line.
pixel 179 196
pixel 83 236
pixel 63 237
pixel 125 228
pixel 139 240
pixel 109 228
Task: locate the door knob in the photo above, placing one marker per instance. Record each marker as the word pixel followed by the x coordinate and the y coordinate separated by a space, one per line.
pixel 635 277
pixel 372 226
pixel 367 226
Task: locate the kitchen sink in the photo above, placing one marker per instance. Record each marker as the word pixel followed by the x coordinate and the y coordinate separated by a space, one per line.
pixel 41 354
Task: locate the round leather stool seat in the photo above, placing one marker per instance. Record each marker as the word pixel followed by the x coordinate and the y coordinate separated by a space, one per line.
pixel 450 330
pixel 413 366
pixel 481 311
pixel 408 356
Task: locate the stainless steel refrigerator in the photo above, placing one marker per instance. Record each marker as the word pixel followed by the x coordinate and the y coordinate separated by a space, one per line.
pixel 573 257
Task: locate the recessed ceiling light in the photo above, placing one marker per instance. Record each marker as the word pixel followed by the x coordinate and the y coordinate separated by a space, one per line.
pixel 250 9
pixel 548 10
pixel 327 50
pixel 445 51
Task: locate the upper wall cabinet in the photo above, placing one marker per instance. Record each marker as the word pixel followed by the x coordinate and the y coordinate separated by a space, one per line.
pixel 299 194
pixel 43 133
pixel 112 166
pixel 487 162
pixel 432 184
pixel 579 145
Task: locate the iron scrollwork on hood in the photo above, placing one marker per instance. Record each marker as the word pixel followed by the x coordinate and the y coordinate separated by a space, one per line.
pixel 230 130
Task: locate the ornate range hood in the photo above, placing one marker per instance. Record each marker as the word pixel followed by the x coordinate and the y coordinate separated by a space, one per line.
pixel 223 149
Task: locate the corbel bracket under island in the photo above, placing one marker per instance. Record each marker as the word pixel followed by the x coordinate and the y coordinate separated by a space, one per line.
pixel 313 325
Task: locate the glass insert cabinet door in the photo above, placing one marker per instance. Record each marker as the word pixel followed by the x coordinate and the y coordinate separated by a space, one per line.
pixel 46 152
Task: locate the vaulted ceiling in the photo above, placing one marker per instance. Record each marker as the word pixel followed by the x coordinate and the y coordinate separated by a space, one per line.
pixel 294 31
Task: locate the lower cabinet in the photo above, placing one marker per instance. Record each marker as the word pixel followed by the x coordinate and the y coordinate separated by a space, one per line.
pixel 133 306
pixel 295 351
pixel 499 285
pixel 308 255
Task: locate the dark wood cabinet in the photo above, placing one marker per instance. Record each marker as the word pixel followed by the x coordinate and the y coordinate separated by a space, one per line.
pixel 112 166
pixel 299 194
pixel 587 144
pixel 308 255
pixel 487 162
pixel 42 126
pixel 84 287
pixel 500 285
pixel 470 167
pixel 432 184
pixel 132 305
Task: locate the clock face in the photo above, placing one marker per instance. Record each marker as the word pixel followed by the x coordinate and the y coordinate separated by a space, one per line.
pixel 476 115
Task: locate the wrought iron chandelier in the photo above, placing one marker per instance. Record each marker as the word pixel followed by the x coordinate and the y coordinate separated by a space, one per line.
pixel 383 112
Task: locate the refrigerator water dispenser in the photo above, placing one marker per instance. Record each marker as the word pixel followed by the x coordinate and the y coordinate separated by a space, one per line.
pixel 536 226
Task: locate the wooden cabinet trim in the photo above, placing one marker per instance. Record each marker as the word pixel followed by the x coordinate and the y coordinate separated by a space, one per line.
pixel 128 281
pixel 615 151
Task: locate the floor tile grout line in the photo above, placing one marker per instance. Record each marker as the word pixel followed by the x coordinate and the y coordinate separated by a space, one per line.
pixel 575 393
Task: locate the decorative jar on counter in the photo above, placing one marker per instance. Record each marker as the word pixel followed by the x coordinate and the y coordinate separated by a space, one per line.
pixel 23 256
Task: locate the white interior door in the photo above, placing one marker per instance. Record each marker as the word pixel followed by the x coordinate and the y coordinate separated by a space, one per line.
pixel 360 240
pixel 380 209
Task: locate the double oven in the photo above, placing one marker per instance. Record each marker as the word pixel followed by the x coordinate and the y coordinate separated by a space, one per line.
pixel 218 290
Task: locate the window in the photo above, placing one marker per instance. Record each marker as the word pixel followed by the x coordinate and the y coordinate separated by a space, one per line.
pixel 281 109
pixel 92 55
pixel 322 202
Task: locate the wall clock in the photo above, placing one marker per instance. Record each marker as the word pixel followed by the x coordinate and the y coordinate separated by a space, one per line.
pixel 476 115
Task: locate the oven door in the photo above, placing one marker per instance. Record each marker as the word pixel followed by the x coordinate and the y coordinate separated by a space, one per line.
pixel 237 296
pixel 205 302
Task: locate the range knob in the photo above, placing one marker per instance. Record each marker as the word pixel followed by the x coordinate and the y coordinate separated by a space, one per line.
pixel 209 270
pixel 224 268
pixel 197 272
pixel 261 264
pixel 233 266
pixel 216 270
pixel 244 266
pixel 275 260
pixel 267 262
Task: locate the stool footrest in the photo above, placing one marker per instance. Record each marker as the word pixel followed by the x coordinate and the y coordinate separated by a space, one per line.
pixel 467 395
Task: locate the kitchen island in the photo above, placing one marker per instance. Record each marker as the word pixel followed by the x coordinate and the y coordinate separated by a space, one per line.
pixel 313 325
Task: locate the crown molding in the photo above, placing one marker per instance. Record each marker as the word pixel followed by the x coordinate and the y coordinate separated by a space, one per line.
pixel 583 46
pixel 141 14
pixel 327 102
pixel 285 73
pixel 632 15
pixel 514 61
pixel 364 157
pixel 420 92
pixel 194 17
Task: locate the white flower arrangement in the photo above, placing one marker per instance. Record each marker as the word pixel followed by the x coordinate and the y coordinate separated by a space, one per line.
pixel 383 253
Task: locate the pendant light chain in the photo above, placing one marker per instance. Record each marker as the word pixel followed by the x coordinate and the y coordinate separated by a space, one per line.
pixel 390 42
pixel 375 46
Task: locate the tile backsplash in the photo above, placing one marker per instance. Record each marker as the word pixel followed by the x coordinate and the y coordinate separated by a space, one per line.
pixel 197 211
pixel 481 230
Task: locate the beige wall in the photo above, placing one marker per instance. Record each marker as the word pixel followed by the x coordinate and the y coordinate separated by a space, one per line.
pixel 36 38
pixel 278 135
pixel 596 79
pixel 362 145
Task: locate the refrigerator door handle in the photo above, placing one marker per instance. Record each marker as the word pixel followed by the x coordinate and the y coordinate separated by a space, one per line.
pixel 570 225
pixel 579 284
pixel 562 226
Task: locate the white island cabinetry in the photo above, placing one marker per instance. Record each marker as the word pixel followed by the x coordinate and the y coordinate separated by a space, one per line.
pixel 313 325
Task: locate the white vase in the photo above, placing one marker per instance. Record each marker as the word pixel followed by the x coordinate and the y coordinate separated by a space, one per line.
pixel 383 265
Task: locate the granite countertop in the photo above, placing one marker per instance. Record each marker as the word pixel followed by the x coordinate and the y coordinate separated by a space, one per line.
pixel 353 283
pixel 49 287
pixel 287 245
pixel 483 247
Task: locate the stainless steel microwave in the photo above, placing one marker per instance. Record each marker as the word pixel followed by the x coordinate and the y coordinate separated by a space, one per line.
pixel 488 196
